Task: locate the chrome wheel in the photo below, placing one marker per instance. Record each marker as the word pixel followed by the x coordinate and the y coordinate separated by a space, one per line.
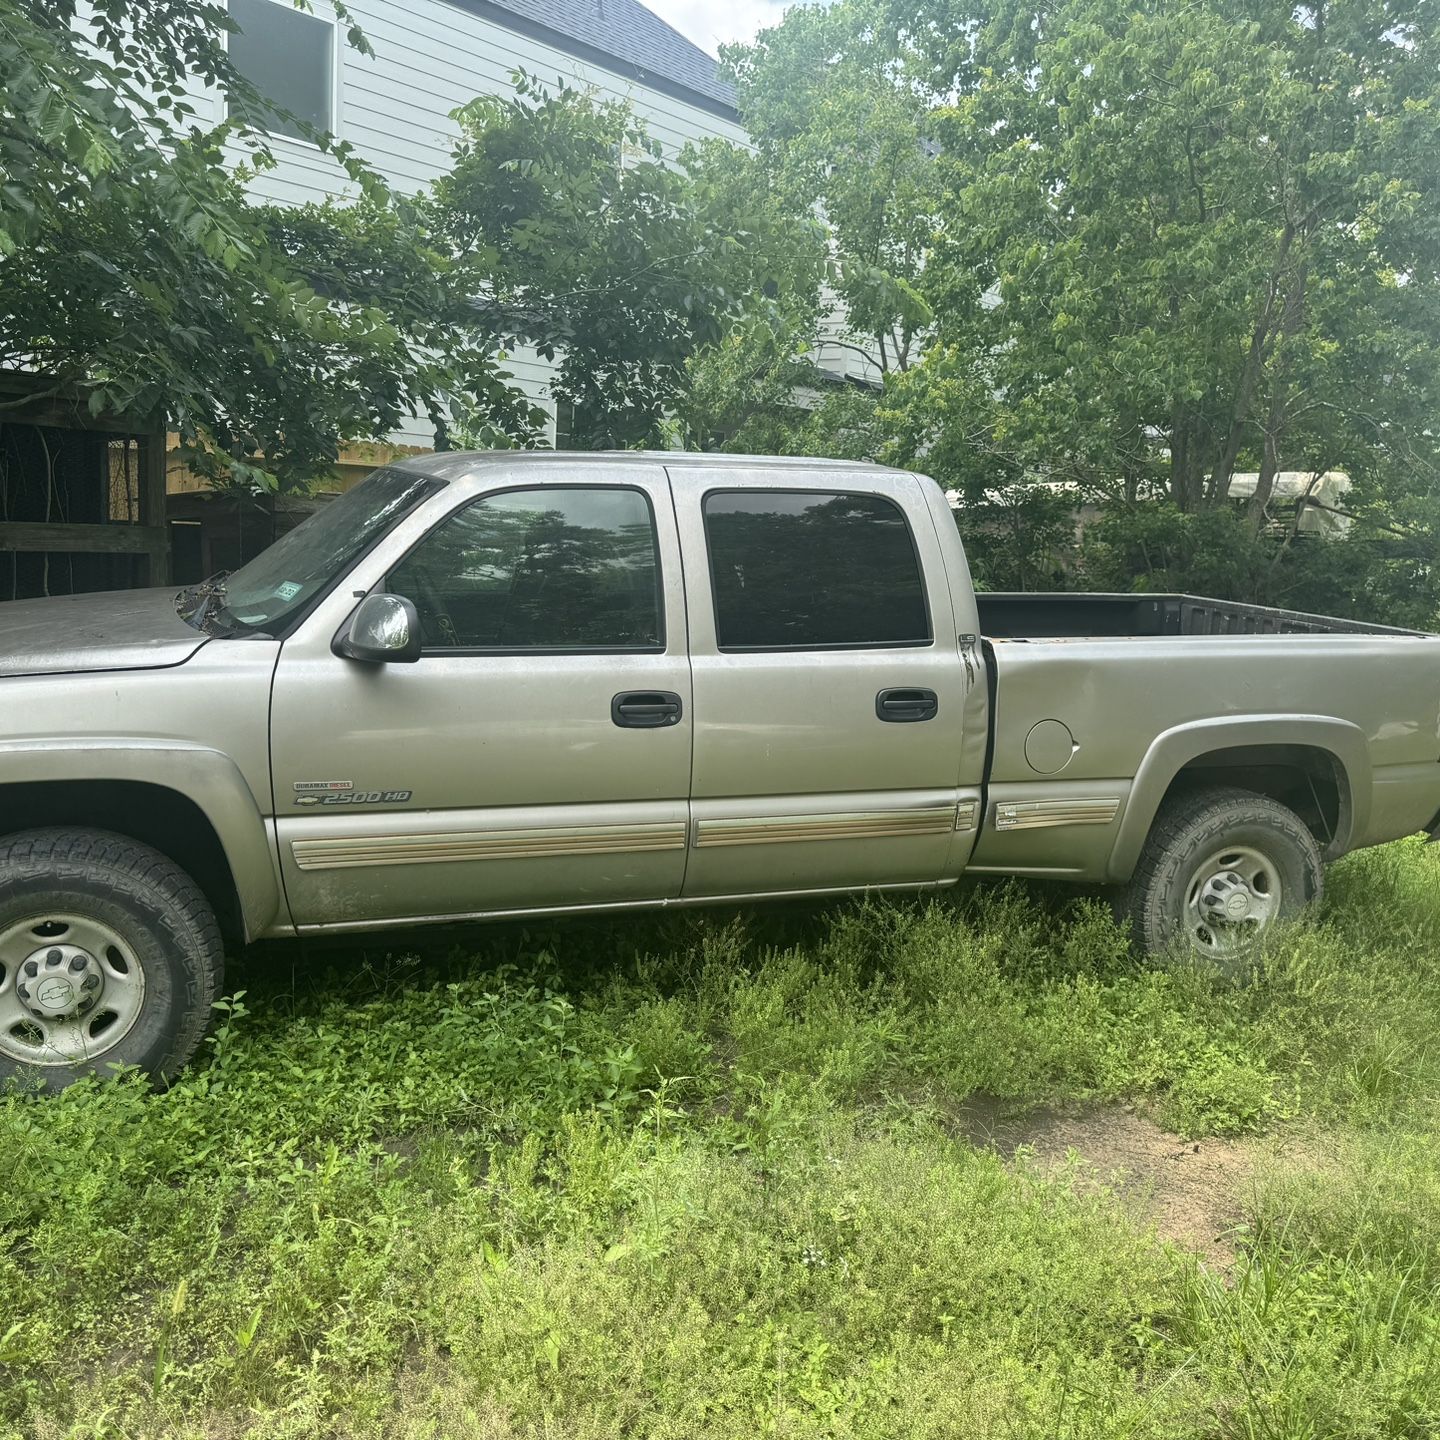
pixel 1230 901
pixel 70 989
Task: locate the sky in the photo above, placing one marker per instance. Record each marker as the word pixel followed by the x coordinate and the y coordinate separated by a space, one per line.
pixel 712 23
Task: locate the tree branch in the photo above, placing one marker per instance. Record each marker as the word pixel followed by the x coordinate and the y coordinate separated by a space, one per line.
pixel 1250 375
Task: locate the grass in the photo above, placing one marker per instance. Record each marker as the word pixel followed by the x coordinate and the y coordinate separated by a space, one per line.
pixel 709 1176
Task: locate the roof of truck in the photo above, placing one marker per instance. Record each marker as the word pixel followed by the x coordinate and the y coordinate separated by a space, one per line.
pixel 459 464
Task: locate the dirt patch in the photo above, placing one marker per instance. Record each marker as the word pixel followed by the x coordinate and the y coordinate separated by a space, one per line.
pixel 1191 1191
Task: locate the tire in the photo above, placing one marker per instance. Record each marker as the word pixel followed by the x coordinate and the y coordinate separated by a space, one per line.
pixel 1184 892
pixel 109 955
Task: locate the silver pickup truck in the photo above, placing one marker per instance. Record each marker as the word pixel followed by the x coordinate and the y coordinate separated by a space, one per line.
pixel 501 684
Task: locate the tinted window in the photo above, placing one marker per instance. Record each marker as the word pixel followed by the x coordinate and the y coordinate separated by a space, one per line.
pixel 550 569
pixel 286 55
pixel 806 570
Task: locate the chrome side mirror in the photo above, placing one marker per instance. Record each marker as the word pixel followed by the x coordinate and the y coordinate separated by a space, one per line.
pixel 384 630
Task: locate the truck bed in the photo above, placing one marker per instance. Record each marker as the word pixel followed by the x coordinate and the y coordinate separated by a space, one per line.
pixel 1013 615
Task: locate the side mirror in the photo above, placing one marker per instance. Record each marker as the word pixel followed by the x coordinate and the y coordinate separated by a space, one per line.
pixel 384 630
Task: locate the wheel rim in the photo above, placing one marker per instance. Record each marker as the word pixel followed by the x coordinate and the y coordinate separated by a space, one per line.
pixel 71 988
pixel 1231 900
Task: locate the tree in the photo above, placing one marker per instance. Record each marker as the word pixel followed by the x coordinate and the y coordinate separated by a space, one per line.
pixel 368 258
pixel 133 268
pixel 753 389
pixel 845 131
pixel 1182 240
pixel 570 232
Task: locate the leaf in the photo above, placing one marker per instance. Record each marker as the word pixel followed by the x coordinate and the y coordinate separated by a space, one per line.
pixel 10 1352
pixel 96 160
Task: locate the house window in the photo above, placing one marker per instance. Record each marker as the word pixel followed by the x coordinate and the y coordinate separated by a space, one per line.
pixel 564 425
pixel 289 57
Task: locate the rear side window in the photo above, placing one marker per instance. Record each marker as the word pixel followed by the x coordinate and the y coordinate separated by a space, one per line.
pixel 813 570
pixel 554 568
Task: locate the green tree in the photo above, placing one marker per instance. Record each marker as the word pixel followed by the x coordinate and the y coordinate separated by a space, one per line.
pixel 366 257
pixel 570 231
pixel 1182 240
pixel 134 269
pixel 754 389
pixel 844 128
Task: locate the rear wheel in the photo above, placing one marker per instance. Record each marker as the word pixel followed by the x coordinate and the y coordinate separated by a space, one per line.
pixel 1219 869
pixel 109 955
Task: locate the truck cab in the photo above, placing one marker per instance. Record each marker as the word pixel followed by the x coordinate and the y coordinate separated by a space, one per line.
pixel 636 681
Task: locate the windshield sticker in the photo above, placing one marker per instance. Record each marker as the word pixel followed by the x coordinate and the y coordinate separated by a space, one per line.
pixel 251 619
pixel 288 591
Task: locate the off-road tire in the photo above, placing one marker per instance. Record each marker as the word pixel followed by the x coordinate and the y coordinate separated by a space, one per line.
pixel 1194 825
pixel 162 915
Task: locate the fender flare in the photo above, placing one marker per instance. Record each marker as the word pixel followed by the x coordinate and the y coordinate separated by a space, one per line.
pixel 1173 749
pixel 207 777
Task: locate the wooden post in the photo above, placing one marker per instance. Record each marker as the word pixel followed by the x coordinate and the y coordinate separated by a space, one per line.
pixel 152 504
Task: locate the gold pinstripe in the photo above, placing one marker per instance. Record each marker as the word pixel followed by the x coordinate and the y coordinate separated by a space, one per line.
pixel 353 851
pixel 1039 814
pixel 846 825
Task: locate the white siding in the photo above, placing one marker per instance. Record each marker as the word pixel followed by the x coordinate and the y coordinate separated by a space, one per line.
pixel 430 58
pixel 841 351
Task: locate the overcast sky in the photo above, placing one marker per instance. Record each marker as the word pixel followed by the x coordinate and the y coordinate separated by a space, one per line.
pixel 711 23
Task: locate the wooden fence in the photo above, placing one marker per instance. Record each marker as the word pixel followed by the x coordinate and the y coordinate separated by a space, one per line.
pixel 82 498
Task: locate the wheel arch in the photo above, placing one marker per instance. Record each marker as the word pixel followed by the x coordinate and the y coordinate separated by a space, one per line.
pixel 1318 765
pixel 190 803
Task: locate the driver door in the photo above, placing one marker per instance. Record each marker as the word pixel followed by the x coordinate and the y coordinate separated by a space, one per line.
pixel 538 753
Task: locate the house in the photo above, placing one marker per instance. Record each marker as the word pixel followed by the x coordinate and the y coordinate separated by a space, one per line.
pixel 394 108
pixel 431 57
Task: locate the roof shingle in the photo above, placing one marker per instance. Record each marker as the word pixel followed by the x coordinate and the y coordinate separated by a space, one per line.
pixel 624 36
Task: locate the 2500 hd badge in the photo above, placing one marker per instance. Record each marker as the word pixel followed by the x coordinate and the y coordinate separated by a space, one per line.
pixel 343 792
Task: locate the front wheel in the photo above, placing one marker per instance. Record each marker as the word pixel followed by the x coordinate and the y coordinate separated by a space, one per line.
pixel 109 955
pixel 1220 867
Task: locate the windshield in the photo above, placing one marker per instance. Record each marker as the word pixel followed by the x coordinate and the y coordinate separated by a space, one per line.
pixel 276 589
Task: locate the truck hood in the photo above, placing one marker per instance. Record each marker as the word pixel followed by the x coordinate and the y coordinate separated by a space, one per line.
pixel 113 630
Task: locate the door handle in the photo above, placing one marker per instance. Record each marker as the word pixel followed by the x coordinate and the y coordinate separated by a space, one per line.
pixel 645 709
pixel 904 707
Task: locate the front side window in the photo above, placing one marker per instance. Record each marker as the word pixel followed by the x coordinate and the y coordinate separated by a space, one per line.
pixel 546 569
pixel 289 57
pixel 813 570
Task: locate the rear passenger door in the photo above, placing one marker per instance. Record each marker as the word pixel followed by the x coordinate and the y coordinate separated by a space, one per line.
pixel 829 690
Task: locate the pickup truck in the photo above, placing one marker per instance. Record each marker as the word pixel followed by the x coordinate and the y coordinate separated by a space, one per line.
pixel 495 685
